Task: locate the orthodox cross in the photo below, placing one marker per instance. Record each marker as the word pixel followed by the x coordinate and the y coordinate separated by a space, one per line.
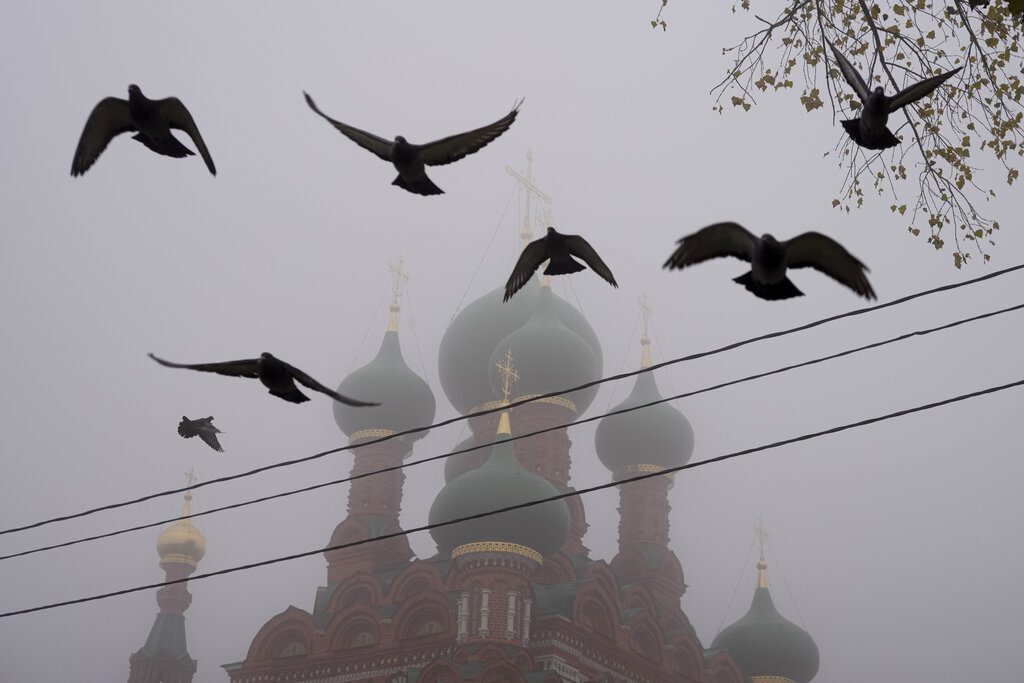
pixel 508 374
pixel 526 180
pixel 399 279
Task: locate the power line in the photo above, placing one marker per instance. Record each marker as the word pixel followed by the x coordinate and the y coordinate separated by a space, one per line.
pixel 519 506
pixel 410 463
pixel 519 402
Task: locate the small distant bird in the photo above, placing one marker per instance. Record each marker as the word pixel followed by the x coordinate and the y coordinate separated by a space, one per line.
pixel 770 258
pixel 274 373
pixel 409 159
pixel 203 428
pixel 152 121
pixel 560 249
pixel 870 129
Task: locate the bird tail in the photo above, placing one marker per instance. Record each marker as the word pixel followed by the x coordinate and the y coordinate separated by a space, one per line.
pixel 888 140
pixel 292 395
pixel 783 289
pixel 564 266
pixel 423 185
pixel 185 429
pixel 169 146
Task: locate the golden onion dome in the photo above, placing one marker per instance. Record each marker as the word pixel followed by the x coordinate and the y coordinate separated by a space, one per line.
pixel 181 542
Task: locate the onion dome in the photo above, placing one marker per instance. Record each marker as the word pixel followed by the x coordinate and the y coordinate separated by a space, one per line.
pixel 535 531
pixel 765 644
pixel 181 542
pixel 460 463
pixel 551 355
pixel 405 399
pixel 658 435
pixel 464 355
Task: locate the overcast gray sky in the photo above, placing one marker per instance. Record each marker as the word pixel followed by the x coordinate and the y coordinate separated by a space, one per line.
pixel 899 542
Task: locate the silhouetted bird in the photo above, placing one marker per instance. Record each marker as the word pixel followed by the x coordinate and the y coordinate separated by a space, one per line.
pixel 152 121
pixel 869 130
pixel 770 258
pixel 274 373
pixel 409 159
pixel 203 428
pixel 560 249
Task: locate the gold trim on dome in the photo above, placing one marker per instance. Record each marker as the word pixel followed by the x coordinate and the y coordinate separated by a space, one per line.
pixel 641 469
pixel 498 547
pixel 370 434
pixel 553 400
pixel 178 558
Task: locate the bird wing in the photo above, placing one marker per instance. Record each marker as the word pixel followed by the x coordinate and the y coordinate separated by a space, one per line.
pixel 720 239
pixel 311 383
pixel 580 247
pixel 851 75
pixel 824 254
pixel 108 119
pixel 177 116
pixel 535 253
pixel 452 148
pixel 210 437
pixel 915 92
pixel 374 143
pixel 234 368
pixel 186 429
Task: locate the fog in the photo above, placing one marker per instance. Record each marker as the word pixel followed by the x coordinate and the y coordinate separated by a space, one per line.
pixel 895 545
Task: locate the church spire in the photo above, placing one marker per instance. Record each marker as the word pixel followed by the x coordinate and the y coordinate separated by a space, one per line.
pixel 399 280
pixel 761 531
pixel 645 339
pixel 526 180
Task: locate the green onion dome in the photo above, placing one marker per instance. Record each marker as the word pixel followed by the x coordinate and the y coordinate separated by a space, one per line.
pixel 549 355
pixel 764 643
pixel 473 334
pixel 500 482
pixel 405 399
pixel 657 435
pixel 460 463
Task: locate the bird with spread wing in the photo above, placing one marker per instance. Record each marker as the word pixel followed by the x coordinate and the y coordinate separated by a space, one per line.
pixel 870 129
pixel 275 374
pixel 150 120
pixel 411 160
pixel 769 259
pixel 203 428
pixel 558 250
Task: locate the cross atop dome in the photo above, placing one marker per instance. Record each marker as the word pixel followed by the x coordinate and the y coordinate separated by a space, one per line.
pixel 761 531
pixel 509 376
pixel 645 340
pixel 399 279
pixel 526 180
pixel 190 478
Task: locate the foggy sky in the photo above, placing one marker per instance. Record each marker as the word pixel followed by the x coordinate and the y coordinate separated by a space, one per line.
pixel 899 542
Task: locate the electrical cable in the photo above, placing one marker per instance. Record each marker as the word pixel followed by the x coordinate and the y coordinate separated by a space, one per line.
pixel 519 402
pixel 519 506
pixel 526 435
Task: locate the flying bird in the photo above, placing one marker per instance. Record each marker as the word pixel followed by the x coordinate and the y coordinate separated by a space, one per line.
pixel 410 160
pixel 203 428
pixel 770 258
pixel 869 130
pixel 274 373
pixel 558 250
pixel 150 120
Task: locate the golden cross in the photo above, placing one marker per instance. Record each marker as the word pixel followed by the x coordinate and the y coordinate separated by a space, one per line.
pixel 190 477
pixel 399 278
pixel 761 531
pixel 508 374
pixel 526 234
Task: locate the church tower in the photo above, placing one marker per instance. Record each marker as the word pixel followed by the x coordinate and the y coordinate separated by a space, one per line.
pixel 164 658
